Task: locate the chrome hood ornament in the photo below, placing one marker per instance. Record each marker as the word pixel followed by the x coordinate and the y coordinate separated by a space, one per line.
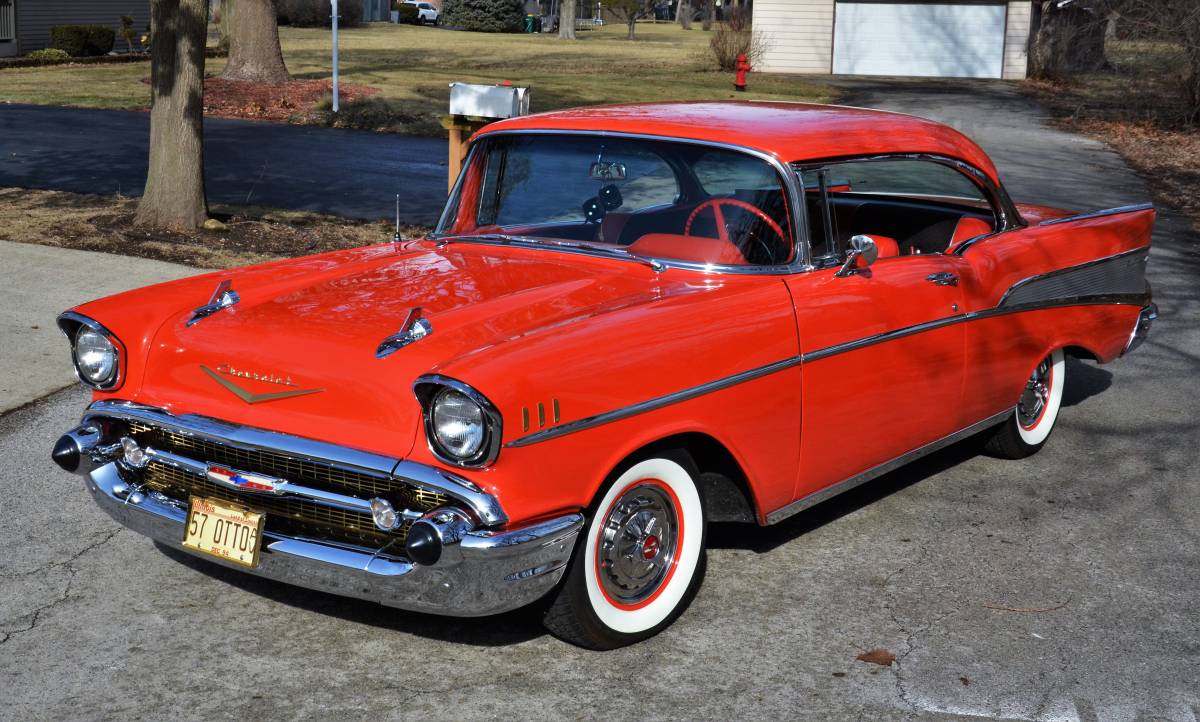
pixel 414 328
pixel 223 297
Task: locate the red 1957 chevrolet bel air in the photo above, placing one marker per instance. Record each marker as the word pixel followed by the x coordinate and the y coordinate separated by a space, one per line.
pixel 630 321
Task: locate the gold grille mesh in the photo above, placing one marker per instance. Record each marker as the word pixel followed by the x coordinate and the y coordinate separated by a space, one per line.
pixel 293 517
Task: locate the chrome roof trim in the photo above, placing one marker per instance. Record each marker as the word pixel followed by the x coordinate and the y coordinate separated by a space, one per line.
pixel 652 404
pixel 486 507
pixel 1100 213
pixel 802 260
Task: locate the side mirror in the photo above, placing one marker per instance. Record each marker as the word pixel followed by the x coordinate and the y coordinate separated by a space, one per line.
pixel 863 252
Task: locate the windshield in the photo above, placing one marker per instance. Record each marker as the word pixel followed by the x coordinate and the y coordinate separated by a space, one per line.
pixel 658 199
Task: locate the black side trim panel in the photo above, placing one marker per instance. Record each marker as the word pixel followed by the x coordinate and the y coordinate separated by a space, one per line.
pixel 1120 274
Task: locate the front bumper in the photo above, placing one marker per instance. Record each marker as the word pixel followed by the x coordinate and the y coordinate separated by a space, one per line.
pixel 488 573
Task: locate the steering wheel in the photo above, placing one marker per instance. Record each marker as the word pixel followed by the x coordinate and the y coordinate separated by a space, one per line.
pixel 722 231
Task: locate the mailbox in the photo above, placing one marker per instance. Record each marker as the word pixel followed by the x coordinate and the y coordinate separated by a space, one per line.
pixel 488 101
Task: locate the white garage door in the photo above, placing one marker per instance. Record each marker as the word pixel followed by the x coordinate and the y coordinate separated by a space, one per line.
pixel 958 40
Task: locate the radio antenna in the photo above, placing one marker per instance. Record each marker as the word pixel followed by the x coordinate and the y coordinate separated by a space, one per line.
pixel 396 235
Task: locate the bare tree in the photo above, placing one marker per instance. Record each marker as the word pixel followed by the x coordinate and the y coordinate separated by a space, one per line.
pixel 254 51
pixel 1069 39
pixel 709 10
pixel 566 19
pixel 629 12
pixel 684 14
pixel 1174 24
pixel 174 194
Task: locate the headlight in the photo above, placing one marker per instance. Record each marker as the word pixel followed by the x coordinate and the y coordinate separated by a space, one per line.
pixel 462 426
pixel 96 353
pixel 95 357
pixel 457 423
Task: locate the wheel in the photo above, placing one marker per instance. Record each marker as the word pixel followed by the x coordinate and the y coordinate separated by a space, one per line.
pixel 1026 431
pixel 640 561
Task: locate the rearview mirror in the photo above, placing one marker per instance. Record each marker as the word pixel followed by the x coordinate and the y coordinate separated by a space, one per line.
pixel 863 252
pixel 607 171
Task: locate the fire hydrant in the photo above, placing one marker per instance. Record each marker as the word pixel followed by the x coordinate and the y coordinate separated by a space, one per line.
pixel 743 66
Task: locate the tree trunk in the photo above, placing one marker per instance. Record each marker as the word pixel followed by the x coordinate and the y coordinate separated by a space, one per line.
pixel 254 52
pixel 1069 39
pixel 174 194
pixel 684 14
pixel 709 10
pixel 226 24
pixel 632 25
pixel 566 19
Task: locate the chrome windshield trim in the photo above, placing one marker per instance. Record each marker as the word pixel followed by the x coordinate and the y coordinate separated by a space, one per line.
pixel 486 507
pixel 652 404
pixel 787 176
pixel 1132 208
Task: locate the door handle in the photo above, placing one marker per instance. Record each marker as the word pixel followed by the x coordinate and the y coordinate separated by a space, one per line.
pixel 945 278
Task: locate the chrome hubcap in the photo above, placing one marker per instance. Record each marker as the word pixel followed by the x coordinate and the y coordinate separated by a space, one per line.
pixel 637 544
pixel 1036 396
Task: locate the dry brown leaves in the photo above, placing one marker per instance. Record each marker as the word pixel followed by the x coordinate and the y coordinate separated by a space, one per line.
pixel 882 657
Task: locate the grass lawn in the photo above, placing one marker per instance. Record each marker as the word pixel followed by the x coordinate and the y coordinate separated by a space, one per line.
pixel 413 66
pixel 1136 107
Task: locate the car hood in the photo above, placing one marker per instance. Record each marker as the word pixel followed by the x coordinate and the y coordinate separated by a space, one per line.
pixel 297 353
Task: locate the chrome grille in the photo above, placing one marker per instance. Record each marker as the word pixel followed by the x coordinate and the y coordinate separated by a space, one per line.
pixel 292 517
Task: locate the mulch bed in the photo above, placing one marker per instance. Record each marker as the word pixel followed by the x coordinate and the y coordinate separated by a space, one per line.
pixel 239 99
pixel 279 102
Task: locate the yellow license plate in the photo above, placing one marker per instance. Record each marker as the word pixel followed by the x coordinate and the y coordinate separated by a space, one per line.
pixel 223 530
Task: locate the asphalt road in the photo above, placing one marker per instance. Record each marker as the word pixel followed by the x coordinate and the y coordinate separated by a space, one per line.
pixel 931 563
pixel 344 172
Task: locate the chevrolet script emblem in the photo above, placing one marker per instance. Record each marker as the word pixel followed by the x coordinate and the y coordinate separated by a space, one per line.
pixel 252 398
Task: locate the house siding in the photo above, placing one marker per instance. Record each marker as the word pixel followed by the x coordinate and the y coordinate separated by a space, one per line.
pixel 798 34
pixel 36 17
pixel 1016 40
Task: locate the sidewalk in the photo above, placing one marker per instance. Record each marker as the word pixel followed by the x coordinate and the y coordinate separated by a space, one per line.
pixel 39 282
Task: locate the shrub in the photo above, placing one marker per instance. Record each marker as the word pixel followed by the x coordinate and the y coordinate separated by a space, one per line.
pixel 50 55
pixel 83 40
pixel 408 13
pixel 316 13
pixel 485 16
pixel 734 37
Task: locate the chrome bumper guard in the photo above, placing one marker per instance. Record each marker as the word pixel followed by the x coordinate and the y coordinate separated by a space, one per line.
pixel 491 571
pixel 1141 329
pixel 488 567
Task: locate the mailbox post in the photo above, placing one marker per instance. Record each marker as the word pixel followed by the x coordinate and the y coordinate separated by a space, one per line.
pixel 471 108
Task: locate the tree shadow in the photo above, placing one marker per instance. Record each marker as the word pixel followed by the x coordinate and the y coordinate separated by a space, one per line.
pixel 499 630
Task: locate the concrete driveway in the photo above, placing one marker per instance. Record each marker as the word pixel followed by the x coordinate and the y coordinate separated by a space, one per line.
pixel 349 173
pixel 39 283
pixel 932 563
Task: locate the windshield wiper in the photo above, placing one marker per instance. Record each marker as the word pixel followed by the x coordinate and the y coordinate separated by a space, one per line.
pixel 509 239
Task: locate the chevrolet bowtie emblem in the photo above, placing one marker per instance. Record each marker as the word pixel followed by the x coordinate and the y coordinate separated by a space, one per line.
pixel 248 397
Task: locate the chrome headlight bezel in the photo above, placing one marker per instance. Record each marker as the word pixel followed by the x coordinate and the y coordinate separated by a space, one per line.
pixel 427 390
pixel 72 324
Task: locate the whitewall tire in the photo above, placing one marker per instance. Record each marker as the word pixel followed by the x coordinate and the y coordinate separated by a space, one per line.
pixel 641 557
pixel 1033 417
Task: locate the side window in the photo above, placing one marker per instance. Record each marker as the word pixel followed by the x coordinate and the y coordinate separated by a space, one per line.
pixel 910 206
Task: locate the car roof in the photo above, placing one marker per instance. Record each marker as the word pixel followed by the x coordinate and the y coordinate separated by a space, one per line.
pixel 792 132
